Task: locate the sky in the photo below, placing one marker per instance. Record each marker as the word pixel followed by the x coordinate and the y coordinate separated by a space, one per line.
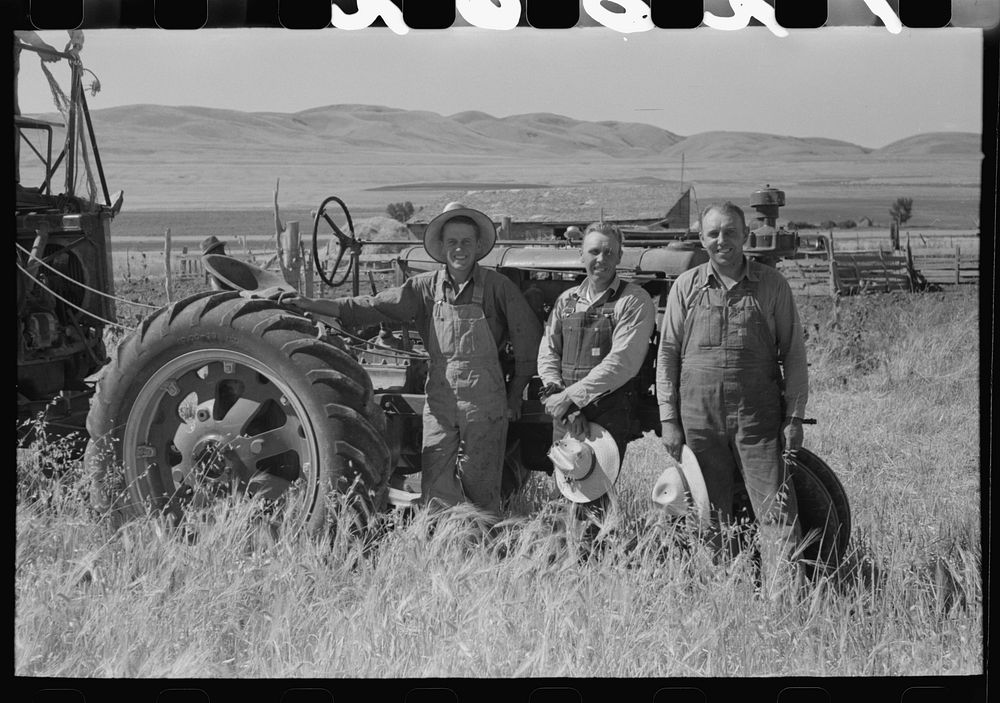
pixel 862 85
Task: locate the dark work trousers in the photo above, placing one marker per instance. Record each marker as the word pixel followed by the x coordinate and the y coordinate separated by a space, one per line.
pixel 615 413
pixel 731 414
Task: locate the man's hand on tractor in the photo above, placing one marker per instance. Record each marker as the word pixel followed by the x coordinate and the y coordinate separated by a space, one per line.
pixel 792 433
pixel 275 293
pixel 672 437
pixel 317 306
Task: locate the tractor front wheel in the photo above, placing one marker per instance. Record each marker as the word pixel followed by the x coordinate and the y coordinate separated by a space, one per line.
pixel 218 394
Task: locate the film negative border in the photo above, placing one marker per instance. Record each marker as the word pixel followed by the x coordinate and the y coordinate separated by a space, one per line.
pixel 635 15
pixel 805 690
pixel 547 14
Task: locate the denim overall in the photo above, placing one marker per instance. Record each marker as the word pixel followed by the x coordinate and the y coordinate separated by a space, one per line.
pixel 731 409
pixel 586 340
pixel 465 415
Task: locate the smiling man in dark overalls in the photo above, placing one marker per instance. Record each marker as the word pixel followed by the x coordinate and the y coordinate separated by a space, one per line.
pixel 464 313
pixel 594 344
pixel 732 383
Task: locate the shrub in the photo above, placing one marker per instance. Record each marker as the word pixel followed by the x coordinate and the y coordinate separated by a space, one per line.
pixel 400 211
pixel 847 224
pixel 901 210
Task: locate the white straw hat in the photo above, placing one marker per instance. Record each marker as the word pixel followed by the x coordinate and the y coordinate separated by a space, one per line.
pixel 680 483
pixel 432 235
pixel 586 469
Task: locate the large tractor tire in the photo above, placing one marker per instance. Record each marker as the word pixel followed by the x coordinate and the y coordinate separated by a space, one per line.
pixel 217 394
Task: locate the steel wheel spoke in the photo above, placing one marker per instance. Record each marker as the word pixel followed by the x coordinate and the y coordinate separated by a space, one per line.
pixel 238 416
pixel 217 422
pixel 268 444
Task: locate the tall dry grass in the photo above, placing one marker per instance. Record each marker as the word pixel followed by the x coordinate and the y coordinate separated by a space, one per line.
pixel 894 390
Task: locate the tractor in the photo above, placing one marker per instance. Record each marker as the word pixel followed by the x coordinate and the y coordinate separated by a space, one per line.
pixel 65 285
pixel 223 388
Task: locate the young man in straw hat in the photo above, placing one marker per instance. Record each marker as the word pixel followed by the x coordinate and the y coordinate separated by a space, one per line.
pixel 594 344
pixel 464 313
pixel 731 383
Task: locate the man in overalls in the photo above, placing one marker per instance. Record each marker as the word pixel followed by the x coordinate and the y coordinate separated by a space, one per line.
pixel 464 314
pixel 731 382
pixel 594 344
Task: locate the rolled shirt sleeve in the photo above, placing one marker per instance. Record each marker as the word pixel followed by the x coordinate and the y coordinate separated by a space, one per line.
pixel 629 346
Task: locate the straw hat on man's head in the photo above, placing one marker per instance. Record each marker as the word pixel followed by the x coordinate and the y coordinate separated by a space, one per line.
pixel 681 487
pixel 586 469
pixel 433 234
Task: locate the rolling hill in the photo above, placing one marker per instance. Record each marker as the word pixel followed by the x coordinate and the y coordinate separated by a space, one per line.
pixel 933 144
pixel 356 128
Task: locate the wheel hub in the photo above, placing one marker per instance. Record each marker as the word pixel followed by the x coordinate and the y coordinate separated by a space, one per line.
pixel 210 457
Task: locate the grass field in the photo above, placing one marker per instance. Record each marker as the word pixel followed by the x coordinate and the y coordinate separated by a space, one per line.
pixel 894 389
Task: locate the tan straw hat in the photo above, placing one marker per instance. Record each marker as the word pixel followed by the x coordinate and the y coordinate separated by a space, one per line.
pixel 586 469
pixel 432 235
pixel 681 487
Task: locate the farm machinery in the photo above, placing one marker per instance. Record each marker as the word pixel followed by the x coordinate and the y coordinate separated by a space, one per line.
pixel 227 390
pixel 64 279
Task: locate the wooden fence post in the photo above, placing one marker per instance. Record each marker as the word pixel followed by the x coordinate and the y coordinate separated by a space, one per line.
pixel 910 271
pixel 310 272
pixel 958 264
pixel 166 264
pixel 834 282
pixel 292 246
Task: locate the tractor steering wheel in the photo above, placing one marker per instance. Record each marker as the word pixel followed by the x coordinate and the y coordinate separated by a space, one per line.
pixel 344 242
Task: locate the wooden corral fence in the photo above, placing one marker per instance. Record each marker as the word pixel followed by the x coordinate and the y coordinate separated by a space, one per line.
pixel 189 266
pixel 947 266
pixel 822 272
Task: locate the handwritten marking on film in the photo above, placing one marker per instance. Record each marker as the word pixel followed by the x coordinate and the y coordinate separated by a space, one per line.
pixel 631 15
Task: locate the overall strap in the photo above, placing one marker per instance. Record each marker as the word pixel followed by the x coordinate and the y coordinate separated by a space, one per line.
pixel 693 298
pixel 477 291
pixel 438 287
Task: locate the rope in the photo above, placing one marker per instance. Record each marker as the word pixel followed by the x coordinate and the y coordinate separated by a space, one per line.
pixel 392 354
pixel 72 305
pixel 63 105
pixel 84 285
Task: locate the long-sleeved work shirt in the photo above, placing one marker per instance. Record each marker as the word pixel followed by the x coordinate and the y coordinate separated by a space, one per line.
pixel 634 317
pixel 504 307
pixel 777 305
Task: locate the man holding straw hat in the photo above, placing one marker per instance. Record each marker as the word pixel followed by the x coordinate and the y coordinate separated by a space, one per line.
pixel 731 382
pixel 595 341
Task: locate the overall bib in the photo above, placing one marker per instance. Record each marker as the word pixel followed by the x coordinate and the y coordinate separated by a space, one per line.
pixel 587 337
pixel 465 415
pixel 731 410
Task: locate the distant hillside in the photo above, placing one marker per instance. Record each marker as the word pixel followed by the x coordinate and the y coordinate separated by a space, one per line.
pixel 709 146
pixel 342 128
pixel 933 144
pixel 355 128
